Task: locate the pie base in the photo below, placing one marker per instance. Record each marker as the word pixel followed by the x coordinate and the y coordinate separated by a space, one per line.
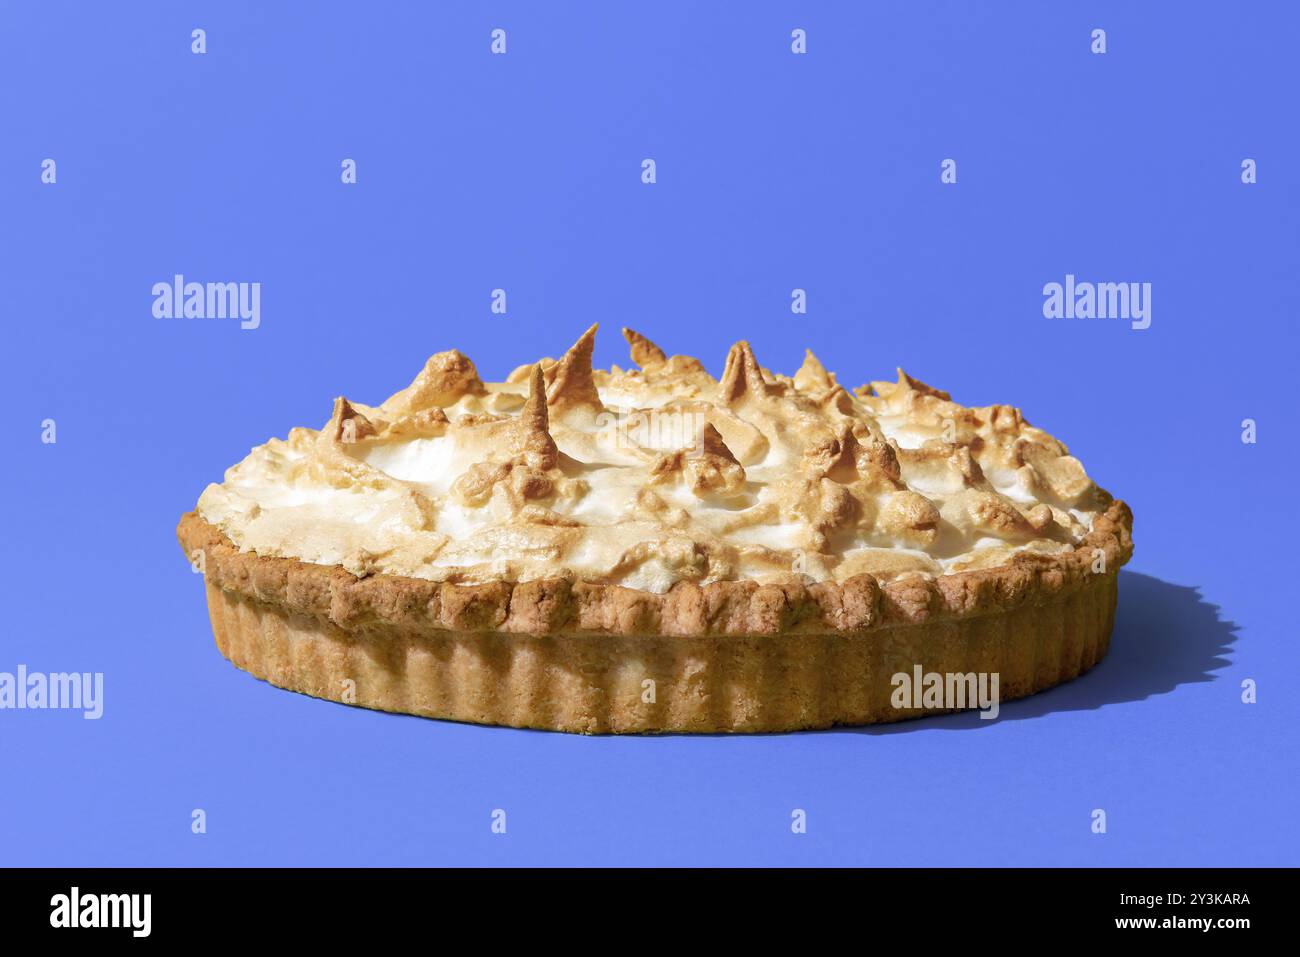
pixel 596 684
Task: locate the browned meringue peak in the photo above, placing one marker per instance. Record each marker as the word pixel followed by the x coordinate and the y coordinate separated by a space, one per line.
pixel 521 457
pixel 644 352
pixel 334 462
pixel 812 375
pixel 532 428
pixel 347 424
pixel 838 453
pixel 1059 475
pixel 445 379
pixel 742 378
pixel 813 380
pixel 560 471
pixel 709 468
pixel 712 446
pixel 573 386
pixel 907 383
pixel 820 504
pixel 685 374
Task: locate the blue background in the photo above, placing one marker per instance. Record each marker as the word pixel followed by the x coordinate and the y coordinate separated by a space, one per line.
pixel 522 171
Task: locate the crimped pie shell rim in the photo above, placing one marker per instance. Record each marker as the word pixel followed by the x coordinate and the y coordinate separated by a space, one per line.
pixel 566 606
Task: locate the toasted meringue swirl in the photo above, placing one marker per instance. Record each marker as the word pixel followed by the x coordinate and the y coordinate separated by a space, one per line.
pixel 648 477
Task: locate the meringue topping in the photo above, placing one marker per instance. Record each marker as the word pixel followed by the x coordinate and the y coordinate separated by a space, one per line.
pixel 652 476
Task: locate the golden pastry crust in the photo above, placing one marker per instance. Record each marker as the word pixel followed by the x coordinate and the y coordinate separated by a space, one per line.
pixel 630 680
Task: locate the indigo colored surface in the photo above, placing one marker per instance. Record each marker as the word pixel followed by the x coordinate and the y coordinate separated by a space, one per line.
pixel 522 171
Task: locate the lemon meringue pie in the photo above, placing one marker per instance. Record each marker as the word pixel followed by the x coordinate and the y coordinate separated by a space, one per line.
pixel 656 549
